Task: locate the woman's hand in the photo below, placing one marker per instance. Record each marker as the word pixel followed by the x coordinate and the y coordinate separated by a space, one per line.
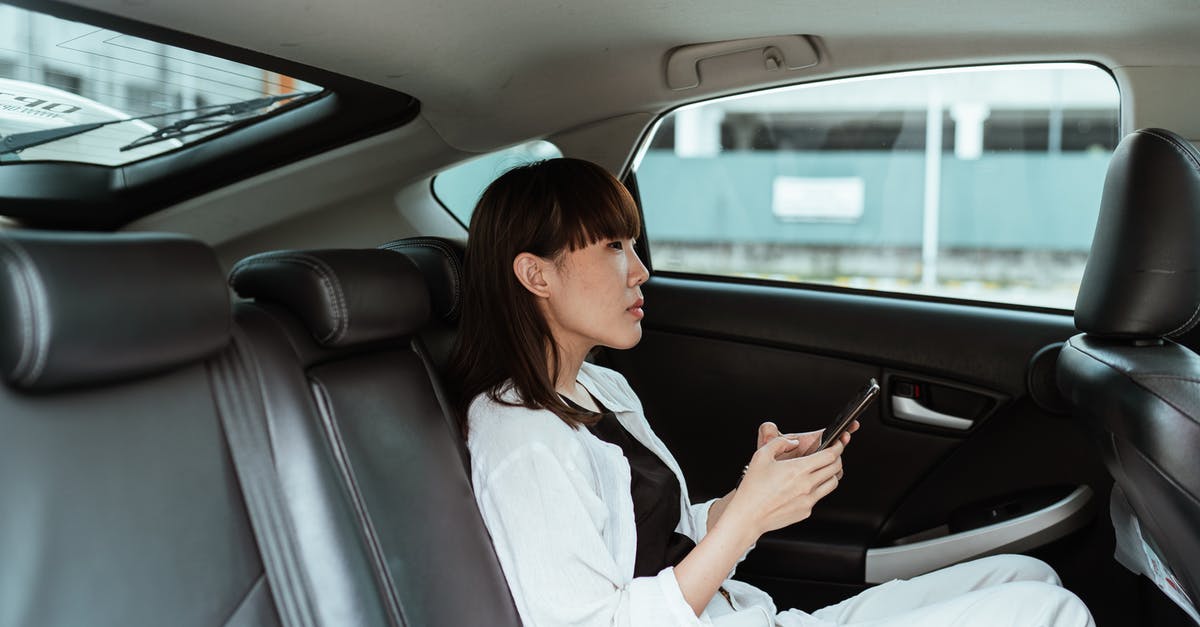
pixel 767 431
pixel 781 488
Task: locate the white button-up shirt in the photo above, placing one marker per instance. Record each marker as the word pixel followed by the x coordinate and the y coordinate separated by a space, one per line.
pixel 557 503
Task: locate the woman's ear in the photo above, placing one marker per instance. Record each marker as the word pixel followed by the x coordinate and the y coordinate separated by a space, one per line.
pixel 529 270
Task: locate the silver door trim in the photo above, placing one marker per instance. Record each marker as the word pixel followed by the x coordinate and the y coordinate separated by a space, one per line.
pixel 1011 536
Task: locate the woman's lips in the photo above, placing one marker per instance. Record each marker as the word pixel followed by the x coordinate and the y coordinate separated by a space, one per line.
pixel 636 309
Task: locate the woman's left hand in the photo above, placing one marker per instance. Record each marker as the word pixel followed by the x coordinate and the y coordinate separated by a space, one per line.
pixel 768 431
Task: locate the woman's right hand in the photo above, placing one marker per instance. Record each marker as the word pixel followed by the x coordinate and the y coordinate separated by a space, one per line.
pixel 776 493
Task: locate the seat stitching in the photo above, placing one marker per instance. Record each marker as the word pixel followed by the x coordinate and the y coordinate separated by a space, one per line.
pixel 327 287
pixel 1131 379
pixel 1166 477
pixel 439 246
pixel 331 286
pixel 1188 324
pixel 447 252
pixel 1171 377
pixel 343 309
pixel 35 331
pixel 337 443
pixel 1187 152
pixel 1175 484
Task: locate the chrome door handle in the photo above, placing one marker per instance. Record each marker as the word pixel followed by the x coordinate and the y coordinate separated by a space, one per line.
pixel 909 409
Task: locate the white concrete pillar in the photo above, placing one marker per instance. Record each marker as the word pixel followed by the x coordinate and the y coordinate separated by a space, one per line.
pixel 698 131
pixel 933 190
pixel 968 128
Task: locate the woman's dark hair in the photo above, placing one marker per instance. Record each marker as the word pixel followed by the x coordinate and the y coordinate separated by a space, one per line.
pixel 544 208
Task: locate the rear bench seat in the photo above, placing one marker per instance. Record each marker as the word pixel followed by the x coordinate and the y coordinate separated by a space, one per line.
pixel 121 502
pixel 349 318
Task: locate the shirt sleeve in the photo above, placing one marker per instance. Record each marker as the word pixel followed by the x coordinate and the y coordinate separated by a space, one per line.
pixel 699 515
pixel 545 520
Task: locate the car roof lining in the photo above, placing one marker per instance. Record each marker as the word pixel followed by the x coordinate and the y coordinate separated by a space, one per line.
pixel 487 83
pixel 484 85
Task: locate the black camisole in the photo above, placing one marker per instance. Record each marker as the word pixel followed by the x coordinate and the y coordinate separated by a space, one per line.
pixel 656 497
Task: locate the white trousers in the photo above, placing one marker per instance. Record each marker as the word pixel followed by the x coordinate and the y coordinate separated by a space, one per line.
pixel 1003 590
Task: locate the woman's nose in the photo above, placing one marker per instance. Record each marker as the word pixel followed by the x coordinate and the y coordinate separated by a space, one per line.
pixel 638 273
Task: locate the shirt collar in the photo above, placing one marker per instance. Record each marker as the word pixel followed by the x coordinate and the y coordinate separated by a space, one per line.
pixel 595 387
pixel 600 391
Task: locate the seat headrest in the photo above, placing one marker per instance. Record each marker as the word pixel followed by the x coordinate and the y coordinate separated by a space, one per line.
pixel 82 308
pixel 1142 279
pixel 344 297
pixel 440 260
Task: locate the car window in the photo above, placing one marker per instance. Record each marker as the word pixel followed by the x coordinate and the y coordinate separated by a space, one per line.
pixel 975 183
pixel 459 188
pixel 71 91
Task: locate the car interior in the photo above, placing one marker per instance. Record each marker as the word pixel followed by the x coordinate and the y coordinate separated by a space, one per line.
pixel 232 233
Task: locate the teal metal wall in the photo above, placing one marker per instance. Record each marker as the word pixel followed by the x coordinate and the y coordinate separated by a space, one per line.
pixel 1020 200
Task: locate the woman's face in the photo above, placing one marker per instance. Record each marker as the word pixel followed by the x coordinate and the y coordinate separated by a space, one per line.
pixel 594 297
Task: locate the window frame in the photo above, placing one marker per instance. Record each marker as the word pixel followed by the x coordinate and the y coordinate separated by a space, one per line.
pixel 644 248
pixel 52 194
pixel 446 206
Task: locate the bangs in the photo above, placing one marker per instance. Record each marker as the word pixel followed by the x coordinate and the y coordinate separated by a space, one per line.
pixel 594 207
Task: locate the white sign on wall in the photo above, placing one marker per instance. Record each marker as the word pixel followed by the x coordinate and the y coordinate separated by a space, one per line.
pixel 805 199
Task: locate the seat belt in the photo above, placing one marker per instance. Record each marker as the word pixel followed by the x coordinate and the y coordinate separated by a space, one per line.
pixel 235 381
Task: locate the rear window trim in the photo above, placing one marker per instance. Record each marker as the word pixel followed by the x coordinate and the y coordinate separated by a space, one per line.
pixel 643 141
pixel 838 289
pixel 629 172
pixel 106 197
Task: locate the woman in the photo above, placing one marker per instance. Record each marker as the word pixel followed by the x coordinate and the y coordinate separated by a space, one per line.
pixel 587 509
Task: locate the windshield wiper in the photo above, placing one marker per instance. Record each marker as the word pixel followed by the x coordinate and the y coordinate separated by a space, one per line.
pixel 20 141
pixel 205 122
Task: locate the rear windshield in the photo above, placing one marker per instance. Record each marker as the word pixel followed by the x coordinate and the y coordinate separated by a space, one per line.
pixel 75 92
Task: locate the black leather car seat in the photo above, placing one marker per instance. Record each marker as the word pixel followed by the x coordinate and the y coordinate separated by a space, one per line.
pixel 441 261
pixel 345 323
pixel 1137 390
pixel 120 504
pixel 122 501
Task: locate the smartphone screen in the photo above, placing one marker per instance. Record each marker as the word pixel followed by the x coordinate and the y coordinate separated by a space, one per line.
pixel 852 410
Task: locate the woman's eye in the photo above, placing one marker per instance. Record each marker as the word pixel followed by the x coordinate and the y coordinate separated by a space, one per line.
pixel 617 245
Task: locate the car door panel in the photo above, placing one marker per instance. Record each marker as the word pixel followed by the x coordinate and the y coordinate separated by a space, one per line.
pixel 718 357
pixel 715 405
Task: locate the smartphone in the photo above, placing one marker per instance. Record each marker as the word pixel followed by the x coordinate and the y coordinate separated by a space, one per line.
pixel 852 410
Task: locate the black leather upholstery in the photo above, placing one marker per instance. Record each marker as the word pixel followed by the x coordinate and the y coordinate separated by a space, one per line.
pixel 1143 405
pixel 1132 386
pixel 440 261
pixel 400 460
pixel 120 505
pixel 79 309
pixel 332 551
pixel 345 297
pixel 1143 275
